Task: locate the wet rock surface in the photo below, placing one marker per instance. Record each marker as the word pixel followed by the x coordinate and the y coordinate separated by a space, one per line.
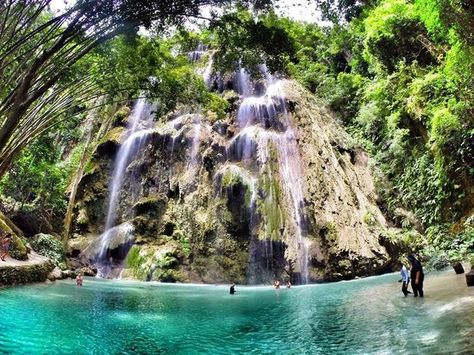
pixel 204 209
pixel 35 269
pixel 470 278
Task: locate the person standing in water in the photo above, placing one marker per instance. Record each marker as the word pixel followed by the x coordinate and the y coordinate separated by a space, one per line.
pixel 405 280
pixel 79 279
pixel 232 289
pixel 417 276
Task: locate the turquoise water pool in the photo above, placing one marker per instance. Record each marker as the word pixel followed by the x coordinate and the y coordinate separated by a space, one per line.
pixel 367 316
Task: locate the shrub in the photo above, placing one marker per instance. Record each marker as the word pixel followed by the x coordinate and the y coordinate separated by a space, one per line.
pixel 49 246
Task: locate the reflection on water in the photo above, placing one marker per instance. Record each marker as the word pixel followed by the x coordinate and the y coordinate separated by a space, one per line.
pixel 368 316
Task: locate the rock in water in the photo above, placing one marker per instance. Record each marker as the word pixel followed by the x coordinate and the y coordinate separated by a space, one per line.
pixel 458 268
pixel 56 274
pixel 470 278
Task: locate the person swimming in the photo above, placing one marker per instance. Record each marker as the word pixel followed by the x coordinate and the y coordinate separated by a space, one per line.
pixel 232 289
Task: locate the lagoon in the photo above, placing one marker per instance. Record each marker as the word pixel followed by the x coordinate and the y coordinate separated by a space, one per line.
pixel 367 316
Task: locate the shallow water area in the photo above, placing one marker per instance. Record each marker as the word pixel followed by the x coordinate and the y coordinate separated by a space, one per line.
pixel 368 316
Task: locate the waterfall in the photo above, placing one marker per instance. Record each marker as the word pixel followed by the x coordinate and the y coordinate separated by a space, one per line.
pixel 207 73
pixel 196 54
pixel 266 137
pixel 138 130
pixel 243 84
pixel 196 141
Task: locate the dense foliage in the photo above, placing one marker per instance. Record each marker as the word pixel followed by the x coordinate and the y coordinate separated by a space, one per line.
pixel 400 77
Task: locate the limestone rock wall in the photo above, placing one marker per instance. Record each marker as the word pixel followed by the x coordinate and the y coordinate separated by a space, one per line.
pixel 192 212
pixel 341 199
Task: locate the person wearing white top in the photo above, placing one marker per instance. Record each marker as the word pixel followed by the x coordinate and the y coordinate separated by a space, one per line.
pixel 405 280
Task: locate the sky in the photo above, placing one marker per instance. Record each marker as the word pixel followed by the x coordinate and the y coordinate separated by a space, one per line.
pixel 298 10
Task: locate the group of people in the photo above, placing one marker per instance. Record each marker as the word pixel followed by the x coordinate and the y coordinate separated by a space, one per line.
pixel 5 241
pixel 416 276
pixel 276 284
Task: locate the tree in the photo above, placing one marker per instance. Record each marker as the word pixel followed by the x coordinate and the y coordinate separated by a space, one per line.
pixel 39 51
pixel 342 10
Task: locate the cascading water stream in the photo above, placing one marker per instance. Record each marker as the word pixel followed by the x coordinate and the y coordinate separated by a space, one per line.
pixel 196 54
pixel 139 128
pixel 265 127
pixel 196 142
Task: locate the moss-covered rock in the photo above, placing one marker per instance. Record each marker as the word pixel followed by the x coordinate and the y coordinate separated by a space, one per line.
pixel 201 206
pixel 25 273
pixel 151 205
pixel 111 141
pixel 51 247
pixel 153 262
pixel 121 116
pixel 18 249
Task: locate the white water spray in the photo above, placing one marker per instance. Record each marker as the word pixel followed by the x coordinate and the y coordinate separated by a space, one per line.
pixel 139 129
pixel 265 126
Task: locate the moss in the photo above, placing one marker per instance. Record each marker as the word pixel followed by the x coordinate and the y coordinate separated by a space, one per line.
pixel 150 205
pixel 231 96
pixel 344 264
pixel 91 167
pixel 121 114
pixel 271 207
pixel 181 237
pixel 49 246
pixel 369 218
pixel 133 260
pixel 153 262
pixel 333 233
pixel 230 178
pixel 82 217
pixel 12 275
pixel 113 136
pixel 330 236
pixel 234 177
pixel 221 268
pixel 18 249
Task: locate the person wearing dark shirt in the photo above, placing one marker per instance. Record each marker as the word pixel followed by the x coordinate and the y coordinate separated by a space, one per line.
pixel 416 275
pixel 232 289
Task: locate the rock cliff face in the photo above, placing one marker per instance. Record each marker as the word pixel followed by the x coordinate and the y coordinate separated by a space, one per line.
pixel 277 191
